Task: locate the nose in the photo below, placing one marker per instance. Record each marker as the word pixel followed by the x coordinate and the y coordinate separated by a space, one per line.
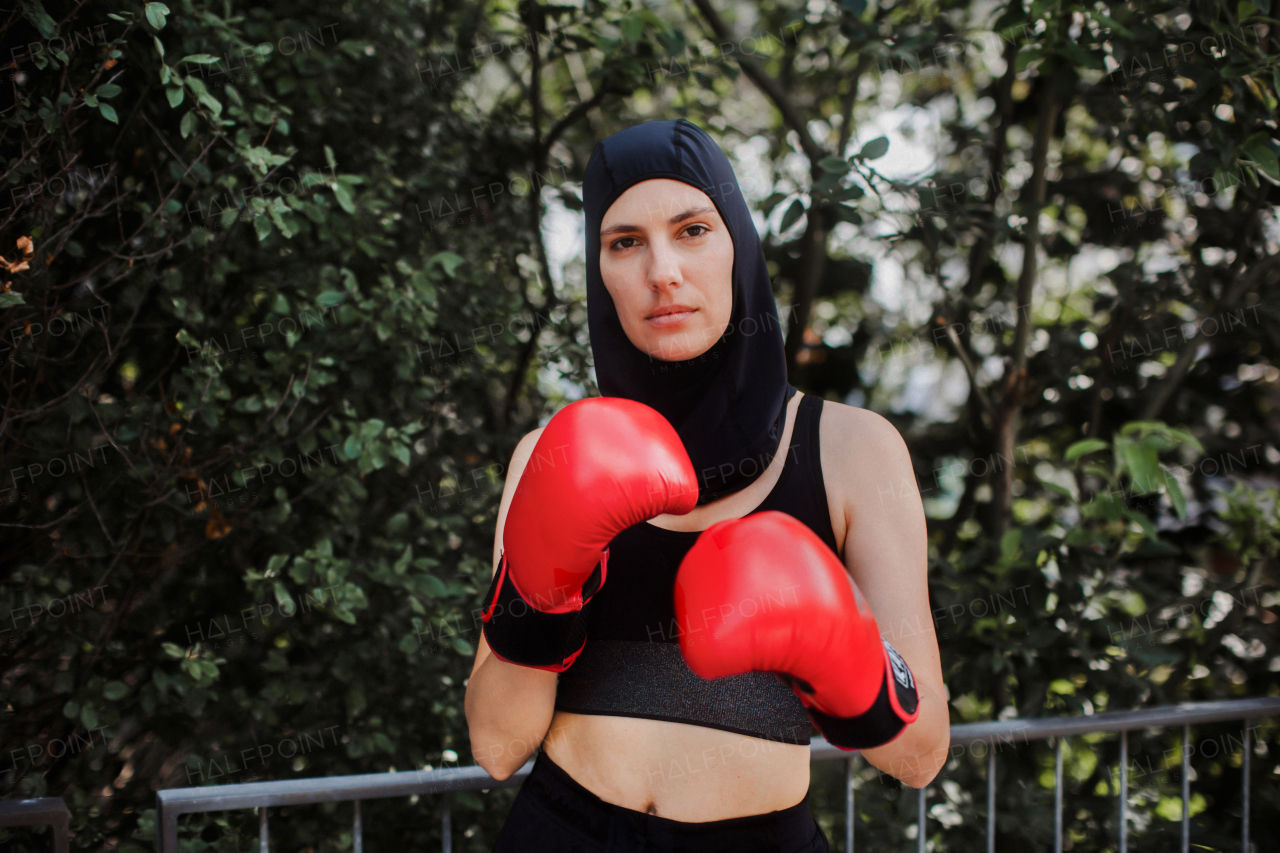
pixel 664 265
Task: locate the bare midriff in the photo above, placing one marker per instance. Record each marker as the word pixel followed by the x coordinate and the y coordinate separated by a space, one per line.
pixel 676 770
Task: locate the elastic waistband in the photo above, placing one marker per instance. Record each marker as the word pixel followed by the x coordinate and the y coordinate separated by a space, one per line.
pixel 607 824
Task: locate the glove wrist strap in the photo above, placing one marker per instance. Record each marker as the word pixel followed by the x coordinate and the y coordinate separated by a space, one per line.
pixel 896 707
pixel 519 633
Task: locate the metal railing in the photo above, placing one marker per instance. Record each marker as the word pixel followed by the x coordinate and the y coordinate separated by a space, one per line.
pixel 173 802
pixel 45 810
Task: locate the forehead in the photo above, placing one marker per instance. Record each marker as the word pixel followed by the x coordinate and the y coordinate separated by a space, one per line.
pixel 657 198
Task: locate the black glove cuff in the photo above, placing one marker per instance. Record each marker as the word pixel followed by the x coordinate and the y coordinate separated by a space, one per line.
pixel 519 633
pixel 895 708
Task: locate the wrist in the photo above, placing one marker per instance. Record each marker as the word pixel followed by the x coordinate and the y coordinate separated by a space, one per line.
pixel 520 633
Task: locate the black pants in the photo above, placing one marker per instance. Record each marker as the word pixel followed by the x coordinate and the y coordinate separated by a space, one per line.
pixel 553 813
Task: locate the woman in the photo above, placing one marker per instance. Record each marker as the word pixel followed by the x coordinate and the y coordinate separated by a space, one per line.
pixel 638 752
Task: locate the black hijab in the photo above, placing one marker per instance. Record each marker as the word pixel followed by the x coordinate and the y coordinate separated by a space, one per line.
pixel 728 405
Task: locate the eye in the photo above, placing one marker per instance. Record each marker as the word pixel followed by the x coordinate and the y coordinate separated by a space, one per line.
pixel 617 244
pixel 704 230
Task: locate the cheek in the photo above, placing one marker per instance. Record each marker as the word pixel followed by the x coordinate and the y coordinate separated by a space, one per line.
pixel 724 281
pixel 615 283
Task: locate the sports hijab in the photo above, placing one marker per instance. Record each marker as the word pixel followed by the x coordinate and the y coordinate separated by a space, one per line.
pixel 728 405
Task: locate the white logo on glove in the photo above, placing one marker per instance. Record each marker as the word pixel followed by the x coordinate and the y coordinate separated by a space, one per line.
pixel 901 673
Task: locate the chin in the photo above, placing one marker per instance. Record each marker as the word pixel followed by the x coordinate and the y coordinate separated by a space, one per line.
pixel 677 350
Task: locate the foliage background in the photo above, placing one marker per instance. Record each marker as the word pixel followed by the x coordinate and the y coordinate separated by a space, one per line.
pixel 342 236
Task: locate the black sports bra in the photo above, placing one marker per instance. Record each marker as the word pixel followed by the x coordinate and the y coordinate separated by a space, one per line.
pixel 632 665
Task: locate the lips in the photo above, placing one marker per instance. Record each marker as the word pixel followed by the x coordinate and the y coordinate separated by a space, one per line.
pixel 671 315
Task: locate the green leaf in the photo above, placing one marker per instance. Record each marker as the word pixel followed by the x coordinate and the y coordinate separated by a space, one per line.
pixel 1080 448
pixel 632 28
pixel 300 571
pixel 1244 9
pixel 1057 489
pixel 1026 57
pixel 199 58
pixel 793 214
pixel 1009 544
pixel 1176 497
pixel 107 90
pixel 834 165
pixel 1145 523
pixel 114 690
pixel 175 95
pixel 214 105
pixel 71 710
pixel 343 194
pixel 10 298
pixel 188 123
pixel 849 193
pixel 262 225
pixel 33 11
pixel 875 149
pixel 160 47
pixel 448 261
pixel 401 452
pixel 1186 438
pixel 1111 24
pixel 89 717
pixel 1143 464
pixel 1258 147
pixel 156 13
pixel 1142 427
pixel 108 112
pixel 845 213
pixel 330 298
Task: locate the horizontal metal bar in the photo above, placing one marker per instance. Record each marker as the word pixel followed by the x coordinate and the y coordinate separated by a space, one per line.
pixel 370 786
pixel 32 812
pixel 177 801
pixel 1185 714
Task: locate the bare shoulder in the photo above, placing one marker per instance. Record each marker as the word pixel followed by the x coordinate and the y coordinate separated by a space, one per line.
pixel 864 460
pixel 851 434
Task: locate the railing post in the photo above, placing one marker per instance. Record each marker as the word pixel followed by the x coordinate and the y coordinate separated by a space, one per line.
pixel 166 827
pixel 1057 795
pixel 848 804
pixel 264 839
pixel 1186 789
pixel 446 824
pixel 920 818
pixel 1244 812
pixel 991 798
pixel 357 832
pixel 1124 792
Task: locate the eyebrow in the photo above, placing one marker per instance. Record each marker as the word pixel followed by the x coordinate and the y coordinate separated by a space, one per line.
pixel 675 220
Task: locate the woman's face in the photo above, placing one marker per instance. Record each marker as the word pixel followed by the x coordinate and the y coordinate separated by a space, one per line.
pixel 666 258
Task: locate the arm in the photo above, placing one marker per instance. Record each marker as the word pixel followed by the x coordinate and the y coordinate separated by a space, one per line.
pixel 886 550
pixel 508 707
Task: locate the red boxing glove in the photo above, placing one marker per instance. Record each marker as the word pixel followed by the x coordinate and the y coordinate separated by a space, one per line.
pixel 601 465
pixel 763 593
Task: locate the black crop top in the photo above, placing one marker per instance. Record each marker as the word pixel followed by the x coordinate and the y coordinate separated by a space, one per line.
pixel 632 666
